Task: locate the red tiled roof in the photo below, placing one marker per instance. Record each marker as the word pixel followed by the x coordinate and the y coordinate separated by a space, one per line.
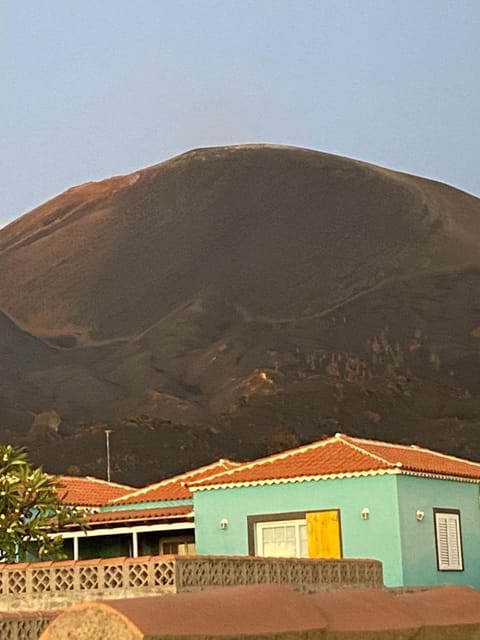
pixel 84 491
pixel 175 488
pixel 343 455
pixel 159 513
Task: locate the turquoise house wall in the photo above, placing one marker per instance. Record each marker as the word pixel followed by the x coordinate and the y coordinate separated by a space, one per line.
pixel 378 537
pixel 418 538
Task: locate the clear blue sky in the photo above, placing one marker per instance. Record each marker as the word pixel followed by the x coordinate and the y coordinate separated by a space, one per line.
pixel 93 88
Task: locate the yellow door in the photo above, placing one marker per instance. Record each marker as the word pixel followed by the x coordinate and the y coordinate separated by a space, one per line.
pixel 323 534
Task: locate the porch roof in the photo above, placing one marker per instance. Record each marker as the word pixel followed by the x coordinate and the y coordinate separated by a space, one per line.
pixel 140 515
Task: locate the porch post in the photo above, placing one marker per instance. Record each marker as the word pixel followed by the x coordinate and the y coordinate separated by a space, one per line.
pixel 134 544
pixel 75 548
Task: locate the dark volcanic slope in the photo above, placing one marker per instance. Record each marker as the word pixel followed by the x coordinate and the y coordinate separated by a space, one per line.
pixel 280 232
pixel 241 277
pixel 19 354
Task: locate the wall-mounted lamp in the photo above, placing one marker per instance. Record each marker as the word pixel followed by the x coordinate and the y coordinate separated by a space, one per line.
pixel 420 515
pixel 223 523
pixel 365 513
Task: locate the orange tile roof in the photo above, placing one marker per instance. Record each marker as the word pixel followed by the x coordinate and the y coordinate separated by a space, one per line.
pixel 84 491
pixel 175 488
pixel 342 455
pixel 158 513
pixel 416 459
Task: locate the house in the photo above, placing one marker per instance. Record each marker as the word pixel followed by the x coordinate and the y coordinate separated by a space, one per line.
pixel 89 494
pixel 123 521
pixel 418 511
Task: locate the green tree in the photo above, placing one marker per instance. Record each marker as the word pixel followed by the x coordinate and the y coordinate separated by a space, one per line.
pixel 31 510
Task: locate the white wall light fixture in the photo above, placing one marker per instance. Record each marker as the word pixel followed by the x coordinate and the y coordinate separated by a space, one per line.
pixel 365 513
pixel 223 523
pixel 420 515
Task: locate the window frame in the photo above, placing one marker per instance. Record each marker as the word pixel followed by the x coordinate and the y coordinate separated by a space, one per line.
pixel 260 527
pixel 455 513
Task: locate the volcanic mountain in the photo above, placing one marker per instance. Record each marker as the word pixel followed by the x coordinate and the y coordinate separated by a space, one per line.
pixel 237 300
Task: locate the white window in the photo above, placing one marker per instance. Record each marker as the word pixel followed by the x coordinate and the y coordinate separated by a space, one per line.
pixel 287 538
pixel 449 540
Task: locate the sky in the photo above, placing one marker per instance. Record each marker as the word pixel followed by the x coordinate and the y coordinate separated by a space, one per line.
pixel 95 88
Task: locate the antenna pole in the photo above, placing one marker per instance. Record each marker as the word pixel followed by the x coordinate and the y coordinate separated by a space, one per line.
pixel 107 442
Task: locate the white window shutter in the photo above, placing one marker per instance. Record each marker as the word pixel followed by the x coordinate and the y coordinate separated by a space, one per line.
pixel 449 551
pixel 442 542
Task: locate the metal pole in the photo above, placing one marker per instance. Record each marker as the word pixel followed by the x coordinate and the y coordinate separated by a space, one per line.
pixel 107 439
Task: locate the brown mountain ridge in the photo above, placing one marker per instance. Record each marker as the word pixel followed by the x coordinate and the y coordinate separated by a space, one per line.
pixel 237 300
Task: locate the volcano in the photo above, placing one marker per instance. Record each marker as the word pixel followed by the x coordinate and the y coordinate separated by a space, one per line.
pixel 238 300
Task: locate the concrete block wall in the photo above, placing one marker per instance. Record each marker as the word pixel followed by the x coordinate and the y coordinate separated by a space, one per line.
pixel 56 585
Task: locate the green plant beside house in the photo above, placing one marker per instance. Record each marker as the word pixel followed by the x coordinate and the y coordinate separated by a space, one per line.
pixel 32 513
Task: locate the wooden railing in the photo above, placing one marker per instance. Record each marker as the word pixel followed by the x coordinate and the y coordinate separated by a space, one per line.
pixel 55 585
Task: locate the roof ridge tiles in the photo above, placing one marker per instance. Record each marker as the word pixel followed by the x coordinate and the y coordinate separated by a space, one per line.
pixel 270 459
pixel 94 479
pixel 351 443
pixel 125 499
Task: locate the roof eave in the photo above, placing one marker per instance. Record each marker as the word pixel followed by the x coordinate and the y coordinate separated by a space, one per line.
pixel 103 524
pixel 439 476
pixel 313 478
pixel 335 476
